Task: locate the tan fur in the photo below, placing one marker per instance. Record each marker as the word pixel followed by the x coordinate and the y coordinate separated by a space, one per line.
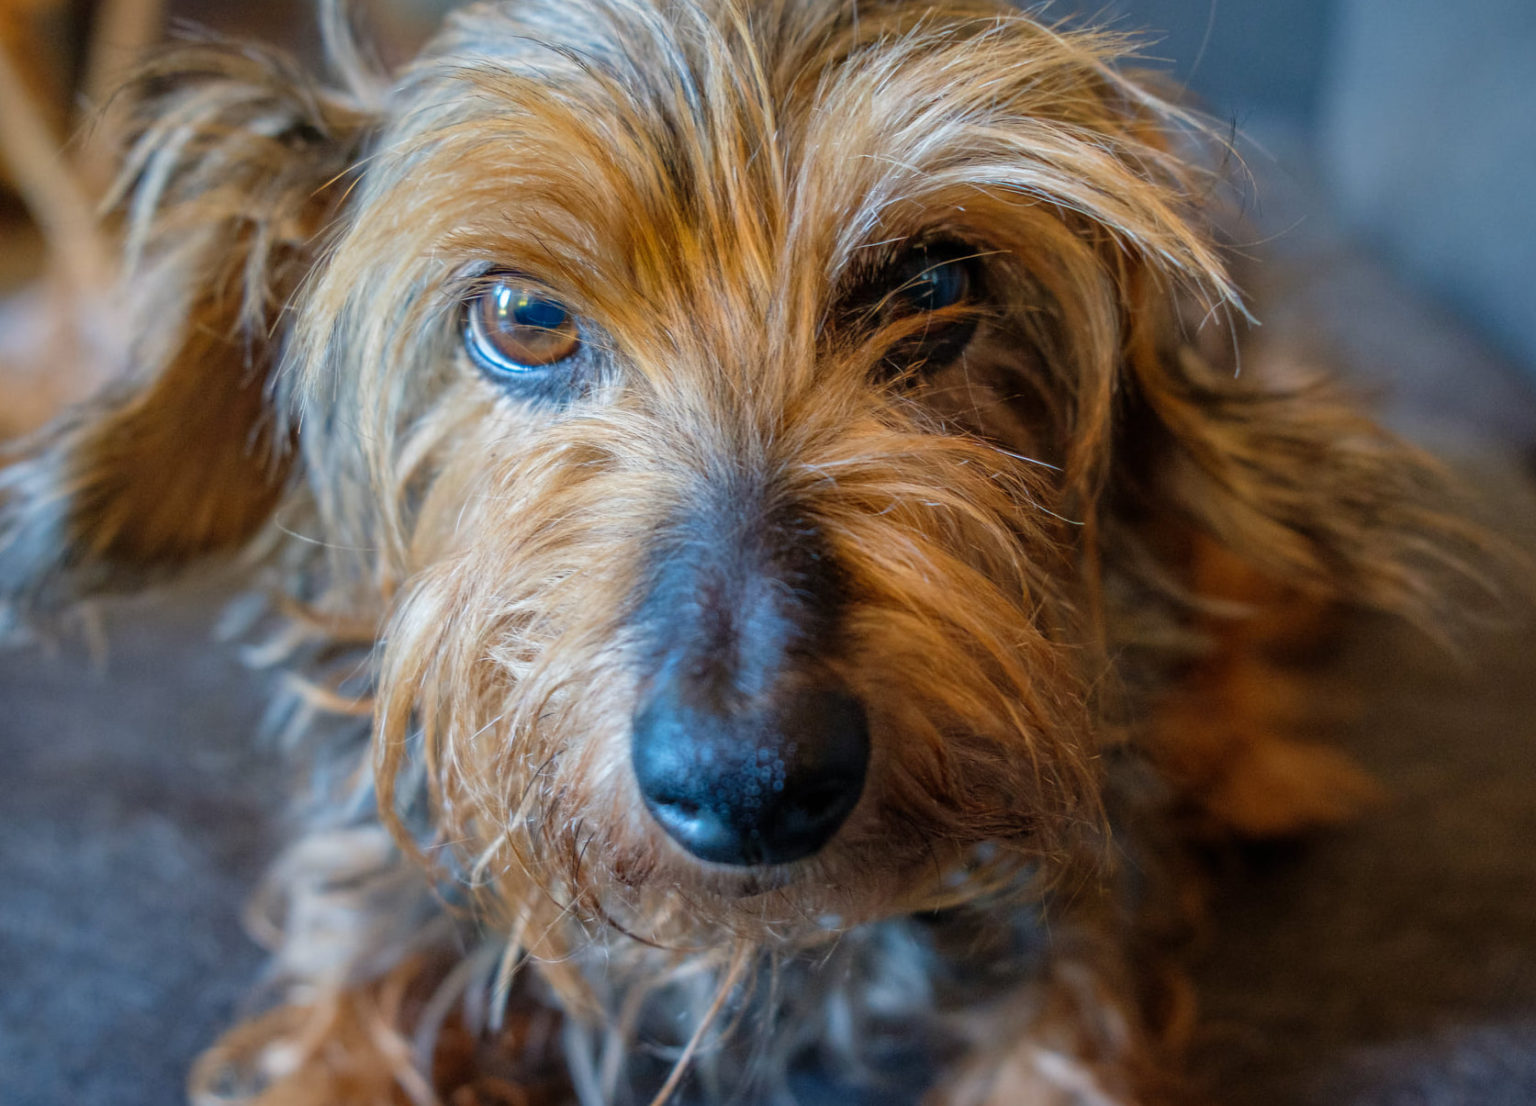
pixel 1049 544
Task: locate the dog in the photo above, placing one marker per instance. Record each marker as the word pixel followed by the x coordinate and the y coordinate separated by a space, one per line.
pixel 777 559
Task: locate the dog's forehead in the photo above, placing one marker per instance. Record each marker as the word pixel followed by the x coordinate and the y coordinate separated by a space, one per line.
pixel 586 135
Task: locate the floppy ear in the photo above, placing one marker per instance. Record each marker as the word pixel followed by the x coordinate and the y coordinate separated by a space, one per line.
pixel 235 167
pixel 1247 509
pixel 1287 475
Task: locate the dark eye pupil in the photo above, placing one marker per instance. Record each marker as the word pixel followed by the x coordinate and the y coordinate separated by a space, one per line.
pixel 926 304
pixel 527 311
pixel 937 286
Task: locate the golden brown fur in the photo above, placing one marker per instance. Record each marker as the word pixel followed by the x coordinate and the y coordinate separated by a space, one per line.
pixel 1048 544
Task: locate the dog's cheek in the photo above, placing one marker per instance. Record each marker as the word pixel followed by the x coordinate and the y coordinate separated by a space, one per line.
pixel 453 471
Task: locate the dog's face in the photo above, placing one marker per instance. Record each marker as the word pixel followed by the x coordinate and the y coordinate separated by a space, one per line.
pixel 720 407
pixel 720 371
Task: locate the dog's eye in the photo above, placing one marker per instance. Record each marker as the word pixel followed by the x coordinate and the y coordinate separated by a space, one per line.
pixel 935 284
pixel 931 294
pixel 511 327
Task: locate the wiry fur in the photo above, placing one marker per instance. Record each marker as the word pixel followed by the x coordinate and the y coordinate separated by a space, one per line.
pixel 1045 544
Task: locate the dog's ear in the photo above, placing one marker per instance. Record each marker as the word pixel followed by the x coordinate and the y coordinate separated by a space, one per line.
pixel 1283 470
pixel 235 167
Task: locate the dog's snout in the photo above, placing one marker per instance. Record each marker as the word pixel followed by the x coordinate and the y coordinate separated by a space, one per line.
pixel 767 783
pixel 747 745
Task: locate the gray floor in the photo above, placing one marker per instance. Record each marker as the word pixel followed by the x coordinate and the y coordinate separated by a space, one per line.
pixel 133 821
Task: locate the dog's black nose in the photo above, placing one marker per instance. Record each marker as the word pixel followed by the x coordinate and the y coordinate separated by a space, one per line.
pixel 766 782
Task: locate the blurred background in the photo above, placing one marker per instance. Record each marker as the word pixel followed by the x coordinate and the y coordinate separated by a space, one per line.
pixel 1390 233
pixel 1409 128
